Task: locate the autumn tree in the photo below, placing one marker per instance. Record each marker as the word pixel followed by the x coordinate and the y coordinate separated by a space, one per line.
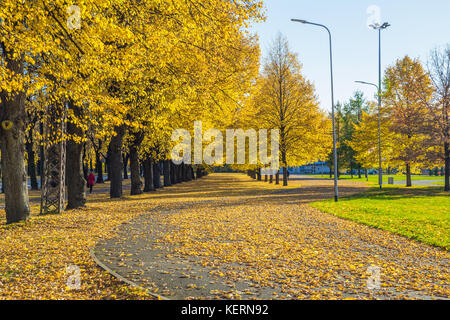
pixel 287 102
pixel 365 139
pixel 352 113
pixel 408 91
pixel 439 107
pixel 106 63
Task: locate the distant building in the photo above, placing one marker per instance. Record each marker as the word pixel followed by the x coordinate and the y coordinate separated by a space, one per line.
pixel 319 167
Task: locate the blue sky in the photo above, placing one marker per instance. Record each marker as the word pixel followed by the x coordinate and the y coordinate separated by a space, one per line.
pixel 417 26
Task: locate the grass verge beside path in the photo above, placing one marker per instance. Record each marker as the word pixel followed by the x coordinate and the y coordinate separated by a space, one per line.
pixel 421 213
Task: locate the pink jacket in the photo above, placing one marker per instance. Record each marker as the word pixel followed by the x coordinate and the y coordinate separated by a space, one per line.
pixel 91 179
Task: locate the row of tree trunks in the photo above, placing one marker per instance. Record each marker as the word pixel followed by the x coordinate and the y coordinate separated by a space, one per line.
pixel 172 174
pixel 256 174
pixel 201 172
pixel 13 146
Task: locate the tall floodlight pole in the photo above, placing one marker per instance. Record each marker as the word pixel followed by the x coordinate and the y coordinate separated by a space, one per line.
pixel 379 27
pixel 336 192
pixel 380 177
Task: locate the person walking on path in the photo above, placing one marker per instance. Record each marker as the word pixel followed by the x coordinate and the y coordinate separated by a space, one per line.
pixel 91 181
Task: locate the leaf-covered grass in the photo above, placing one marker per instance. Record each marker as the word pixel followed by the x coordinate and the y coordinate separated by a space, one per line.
pixel 421 213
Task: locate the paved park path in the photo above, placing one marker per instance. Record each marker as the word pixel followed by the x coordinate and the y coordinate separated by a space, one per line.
pixel 228 237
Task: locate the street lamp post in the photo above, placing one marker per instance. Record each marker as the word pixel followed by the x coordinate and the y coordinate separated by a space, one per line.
pixel 380 173
pixel 379 27
pixel 336 192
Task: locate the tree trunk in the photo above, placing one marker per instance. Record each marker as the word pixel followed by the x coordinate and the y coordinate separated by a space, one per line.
pixel 13 149
pixel 277 178
pixel 176 173
pixel 408 175
pixel 285 177
pixel 125 157
pixel 184 176
pixel 284 163
pixel 265 178
pixel 84 163
pixel 3 182
pixel 31 163
pixel 180 173
pixel 148 175
pixel 41 155
pixel 166 168
pixel 107 163
pixel 447 166
pixel 76 183
pixel 115 162
pixel 136 183
pixel 99 164
pixel 189 172
pixel 271 179
pixel 173 177
pixel 156 175
pixel 185 172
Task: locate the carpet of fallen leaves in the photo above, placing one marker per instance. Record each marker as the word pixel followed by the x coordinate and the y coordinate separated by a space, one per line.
pixel 247 232
pixel 243 229
pixel 305 254
pixel 34 255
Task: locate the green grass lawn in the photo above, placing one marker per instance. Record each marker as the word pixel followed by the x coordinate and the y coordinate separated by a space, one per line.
pixel 421 213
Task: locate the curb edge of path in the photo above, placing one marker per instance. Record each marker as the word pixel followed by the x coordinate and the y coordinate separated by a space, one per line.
pixel 120 277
